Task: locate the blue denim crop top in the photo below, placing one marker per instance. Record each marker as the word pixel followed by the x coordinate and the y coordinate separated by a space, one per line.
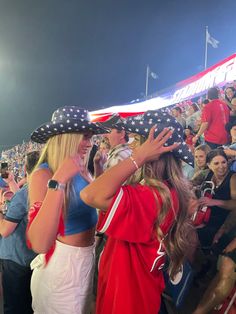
pixel 80 217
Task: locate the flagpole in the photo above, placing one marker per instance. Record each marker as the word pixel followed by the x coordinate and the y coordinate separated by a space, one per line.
pixel 147 77
pixel 206 46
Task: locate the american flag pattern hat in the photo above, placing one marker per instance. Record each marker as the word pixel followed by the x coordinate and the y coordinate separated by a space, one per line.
pixel 67 119
pixel 142 124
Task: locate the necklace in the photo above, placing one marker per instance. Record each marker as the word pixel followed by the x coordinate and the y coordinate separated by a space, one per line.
pixel 219 182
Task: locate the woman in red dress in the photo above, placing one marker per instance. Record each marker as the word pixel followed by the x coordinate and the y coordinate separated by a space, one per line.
pixel 144 222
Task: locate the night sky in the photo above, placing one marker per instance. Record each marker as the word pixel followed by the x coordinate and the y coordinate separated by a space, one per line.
pixel 94 53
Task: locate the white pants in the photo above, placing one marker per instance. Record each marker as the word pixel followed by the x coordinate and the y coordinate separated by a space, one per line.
pixel 64 286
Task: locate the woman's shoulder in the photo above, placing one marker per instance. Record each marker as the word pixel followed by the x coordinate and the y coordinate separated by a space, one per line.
pixel 140 190
pixel 40 174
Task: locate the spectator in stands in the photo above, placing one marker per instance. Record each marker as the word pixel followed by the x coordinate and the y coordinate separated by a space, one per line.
pixel 177 113
pixel 215 115
pixel 206 101
pixel 232 116
pixel 224 281
pixel 61 226
pixel 230 150
pixel 15 255
pixel 188 137
pixel 119 148
pixel 230 93
pixel 100 158
pixel 200 164
pixel 130 276
pixel 200 155
pixel 194 115
pixel 223 200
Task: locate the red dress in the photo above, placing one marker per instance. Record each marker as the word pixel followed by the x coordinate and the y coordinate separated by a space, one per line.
pixel 130 277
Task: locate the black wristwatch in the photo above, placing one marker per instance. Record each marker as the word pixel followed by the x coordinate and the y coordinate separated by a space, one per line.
pixel 55 185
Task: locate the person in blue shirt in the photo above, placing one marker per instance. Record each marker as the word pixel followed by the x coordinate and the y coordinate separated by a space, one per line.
pixel 14 253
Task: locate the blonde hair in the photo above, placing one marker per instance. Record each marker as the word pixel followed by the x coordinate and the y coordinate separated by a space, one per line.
pixel 56 150
pixel 206 149
pixel 168 169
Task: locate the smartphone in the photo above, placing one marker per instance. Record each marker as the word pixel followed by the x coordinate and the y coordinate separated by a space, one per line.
pixel 4 169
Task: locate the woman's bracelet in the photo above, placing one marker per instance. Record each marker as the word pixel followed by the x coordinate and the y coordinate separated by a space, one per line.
pixel 134 162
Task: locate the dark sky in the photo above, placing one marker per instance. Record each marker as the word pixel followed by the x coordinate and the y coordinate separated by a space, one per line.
pixel 94 53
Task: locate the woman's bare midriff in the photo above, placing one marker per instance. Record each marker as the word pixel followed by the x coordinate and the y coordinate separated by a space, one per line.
pixel 82 239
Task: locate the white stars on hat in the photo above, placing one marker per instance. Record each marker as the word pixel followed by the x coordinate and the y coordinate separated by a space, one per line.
pixel 163 120
pixel 78 121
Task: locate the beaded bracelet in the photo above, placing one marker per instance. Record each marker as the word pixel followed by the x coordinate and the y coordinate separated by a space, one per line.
pixel 134 162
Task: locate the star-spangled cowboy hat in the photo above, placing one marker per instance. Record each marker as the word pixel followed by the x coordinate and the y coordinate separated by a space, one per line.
pixel 67 119
pixel 142 124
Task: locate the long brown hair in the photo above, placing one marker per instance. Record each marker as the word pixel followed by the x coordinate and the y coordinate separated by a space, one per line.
pixel 168 169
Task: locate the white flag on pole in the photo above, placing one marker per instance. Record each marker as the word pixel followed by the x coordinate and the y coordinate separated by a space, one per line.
pixel 153 74
pixel 212 41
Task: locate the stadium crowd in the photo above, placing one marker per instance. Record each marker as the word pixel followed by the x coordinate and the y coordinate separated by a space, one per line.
pixel 104 217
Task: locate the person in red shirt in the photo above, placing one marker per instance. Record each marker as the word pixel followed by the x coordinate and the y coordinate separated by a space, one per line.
pixel 215 115
pixel 188 137
pixel 144 222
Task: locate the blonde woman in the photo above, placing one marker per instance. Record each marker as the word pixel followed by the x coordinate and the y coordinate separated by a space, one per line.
pixel 200 164
pixel 62 230
pixel 144 222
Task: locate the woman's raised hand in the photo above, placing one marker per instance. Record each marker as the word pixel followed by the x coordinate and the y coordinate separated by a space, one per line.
pixel 153 147
pixel 69 168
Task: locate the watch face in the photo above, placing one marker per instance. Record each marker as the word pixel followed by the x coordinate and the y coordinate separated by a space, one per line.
pixel 53 184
